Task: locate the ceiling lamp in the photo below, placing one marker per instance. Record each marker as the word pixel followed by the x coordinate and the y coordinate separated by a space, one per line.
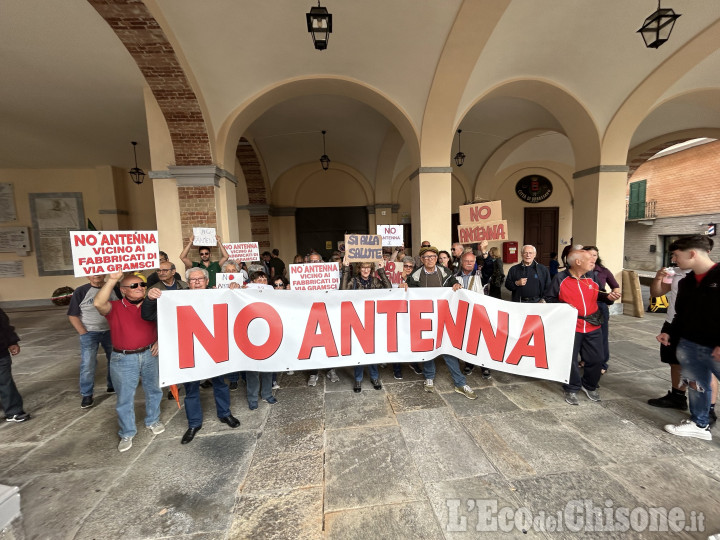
pixel 136 173
pixel 324 159
pixel 658 26
pixel 319 24
pixel 459 157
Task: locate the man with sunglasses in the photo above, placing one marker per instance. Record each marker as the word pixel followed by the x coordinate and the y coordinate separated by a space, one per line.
pixel 197 279
pixel 134 355
pixel 212 267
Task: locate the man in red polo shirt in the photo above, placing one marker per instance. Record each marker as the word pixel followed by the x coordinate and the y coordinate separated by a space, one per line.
pixel 134 355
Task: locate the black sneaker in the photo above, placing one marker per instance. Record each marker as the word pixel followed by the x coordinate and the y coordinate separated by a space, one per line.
pixel 22 417
pixel 713 418
pixel 87 402
pixel 233 385
pixel 110 390
pixel 416 369
pixel 468 369
pixel 486 373
pixel 670 401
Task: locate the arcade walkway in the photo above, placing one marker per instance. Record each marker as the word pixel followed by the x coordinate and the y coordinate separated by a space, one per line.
pixel 327 463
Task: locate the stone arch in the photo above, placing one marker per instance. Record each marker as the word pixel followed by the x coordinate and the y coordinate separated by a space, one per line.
pixel 644 151
pixel 577 123
pixel 166 74
pixel 246 113
pixel 617 137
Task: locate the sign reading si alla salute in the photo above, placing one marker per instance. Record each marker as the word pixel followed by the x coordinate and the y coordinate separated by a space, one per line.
pixel 363 248
pixel 209 333
pixel 482 221
pixel 103 252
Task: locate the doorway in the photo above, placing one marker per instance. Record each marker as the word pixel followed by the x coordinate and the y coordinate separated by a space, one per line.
pixel 541 231
pixel 320 229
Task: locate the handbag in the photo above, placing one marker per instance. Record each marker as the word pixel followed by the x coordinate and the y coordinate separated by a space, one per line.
pixel 596 318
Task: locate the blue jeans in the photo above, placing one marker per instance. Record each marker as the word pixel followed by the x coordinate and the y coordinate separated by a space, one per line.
pixel 193 407
pixel 89 343
pixel 253 379
pixel 698 366
pixel 127 370
pixel 453 365
pixel 372 369
pixel 10 398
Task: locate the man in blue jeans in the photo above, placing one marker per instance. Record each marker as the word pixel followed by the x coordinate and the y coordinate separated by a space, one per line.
pixel 430 274
pixel 94 331
pixel 696 330
pixel 10 398
pixel 197 278
pixel 134 355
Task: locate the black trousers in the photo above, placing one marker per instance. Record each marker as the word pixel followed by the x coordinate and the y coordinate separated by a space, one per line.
pixel 10 398
pixel 590 346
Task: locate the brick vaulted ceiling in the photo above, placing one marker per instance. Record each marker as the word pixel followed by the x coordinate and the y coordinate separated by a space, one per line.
pixel 146 42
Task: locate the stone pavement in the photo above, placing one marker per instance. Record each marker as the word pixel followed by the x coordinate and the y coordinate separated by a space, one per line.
pixel 327 463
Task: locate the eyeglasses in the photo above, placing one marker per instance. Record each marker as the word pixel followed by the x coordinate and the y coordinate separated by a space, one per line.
pixel 197 279
pixel 204 253
pixel 279 285
pixel 408 266
pixel 429 257
pixel 135 285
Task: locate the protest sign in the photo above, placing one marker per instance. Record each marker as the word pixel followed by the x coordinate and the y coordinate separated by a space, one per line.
pixel 314 276
pixel 204 236
pixel 259 286
pixel 103 252
pixel 243 251
pixel 208 333
pixel 393 271
pixel 392 235
pixel 223 281
pixel 486 230
pixel 479 212
pixel 363 248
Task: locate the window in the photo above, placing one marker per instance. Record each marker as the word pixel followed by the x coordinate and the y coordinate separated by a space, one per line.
pixel 636 205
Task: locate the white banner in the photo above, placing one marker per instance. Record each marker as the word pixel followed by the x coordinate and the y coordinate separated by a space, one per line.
pixel 243 251
pixel 392 235
pixel 102 252
pixel 314 276
pixel 208 333
pixel 204 236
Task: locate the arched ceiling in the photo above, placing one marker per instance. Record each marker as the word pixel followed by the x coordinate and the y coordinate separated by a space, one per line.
pixel 72 96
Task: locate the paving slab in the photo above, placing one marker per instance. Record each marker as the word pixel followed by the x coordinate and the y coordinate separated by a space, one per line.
pixel 613 435
pixel 411 396
pixel 469 509
pixel 532 443
pixel 534 395
pixel 638 356
pixel 297 404
pixel 390 522
pixel 640 385
pixel 573 495
pixel 299 436
pixel 369 467
pixel 295 514
pixel 368 408
pixel 490 400
pixel 179 490
pixel 441 446
pixel 284 470
pixel 658 484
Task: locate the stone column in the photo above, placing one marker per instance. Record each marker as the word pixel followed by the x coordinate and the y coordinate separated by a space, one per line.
pixel 431 206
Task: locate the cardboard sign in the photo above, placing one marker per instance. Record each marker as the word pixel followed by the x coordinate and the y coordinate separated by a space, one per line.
pixel 243 251
pixel 392 235
pixel 103 252
pixel 393 271
pixel 223 281
pixel 208 333
pixel 204 236
pixel 363 248
pixel 314 276
pixel 486 230
pixel 480 212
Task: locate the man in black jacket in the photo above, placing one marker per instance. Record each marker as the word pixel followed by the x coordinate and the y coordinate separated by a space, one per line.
pixel 529 280
pixel 10 398
pixel 696 330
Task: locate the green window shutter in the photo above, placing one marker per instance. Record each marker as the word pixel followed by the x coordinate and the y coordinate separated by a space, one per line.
pixel 636 205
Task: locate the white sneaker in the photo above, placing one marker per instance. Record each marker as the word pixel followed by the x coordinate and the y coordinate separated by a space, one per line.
pixel 332 376
pixel 275 385
pixel 688 428
pixel 429 385
pixel 291 373
pixel 312 381
pixel 157 428
pixel 125 444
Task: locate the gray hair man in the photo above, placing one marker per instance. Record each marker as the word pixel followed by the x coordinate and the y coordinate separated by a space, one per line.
pixel 528 281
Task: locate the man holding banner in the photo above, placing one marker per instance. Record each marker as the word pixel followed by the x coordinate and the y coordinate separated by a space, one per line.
pixel 134 354
pixel 432 275
pixel 212 267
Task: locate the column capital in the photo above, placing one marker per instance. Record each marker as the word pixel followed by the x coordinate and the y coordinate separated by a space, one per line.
pixel 195 175
pixel 601 169
pixel 430 170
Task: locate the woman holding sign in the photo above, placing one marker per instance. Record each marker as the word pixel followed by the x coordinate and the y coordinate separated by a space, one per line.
pixel 364 279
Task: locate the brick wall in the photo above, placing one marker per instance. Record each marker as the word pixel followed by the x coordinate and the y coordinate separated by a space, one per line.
pixel 146 42
pixel 257 194
pixel 197 209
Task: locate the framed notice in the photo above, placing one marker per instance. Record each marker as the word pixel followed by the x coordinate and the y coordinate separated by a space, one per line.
pixel 54 216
